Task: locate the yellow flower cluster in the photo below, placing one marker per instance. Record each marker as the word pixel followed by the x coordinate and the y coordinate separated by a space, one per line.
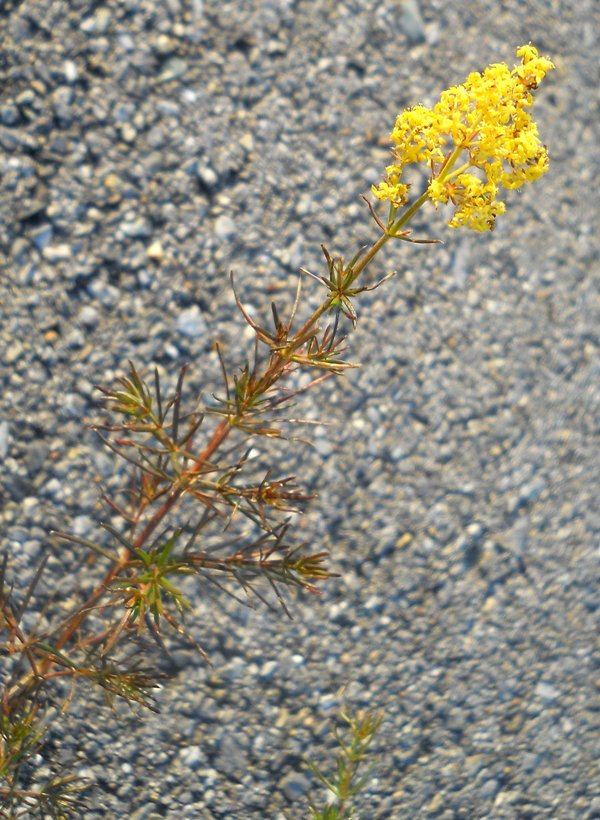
pixel 485 124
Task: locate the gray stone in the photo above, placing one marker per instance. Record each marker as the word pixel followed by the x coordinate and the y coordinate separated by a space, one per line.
pixel 190 322
pixel 174 68
pixel 62 99
pixel 88 316
pixel 70 71
pixel 547 691
pixel 83 526
pixel 13 352
pixel 268 670
pixel 136 228
pixel 75 339
pixel 57 253
pixel 42 236
pixel 231 760
pixel 98 23
pixel 207 175
pixel 73 406
pixel 191 756
pixel 489 789
pixel 9 114
pixel 411 22
pixel 128 132
pixel 107 295
pixel 4 439
pixel 166 45
pixel 295 786
pixel 225 227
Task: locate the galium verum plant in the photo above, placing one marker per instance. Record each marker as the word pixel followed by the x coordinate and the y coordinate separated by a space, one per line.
pixel 192 507
pixel 344 782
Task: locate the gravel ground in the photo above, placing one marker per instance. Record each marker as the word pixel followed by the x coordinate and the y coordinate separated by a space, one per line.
pixel 149 147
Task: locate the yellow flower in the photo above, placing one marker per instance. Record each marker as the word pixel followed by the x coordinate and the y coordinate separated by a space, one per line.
pixel 483 125
pixel 474 200
pixel 391 188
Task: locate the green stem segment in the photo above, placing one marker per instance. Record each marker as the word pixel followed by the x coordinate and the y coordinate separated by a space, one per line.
pixel 392 231
pixel 408 214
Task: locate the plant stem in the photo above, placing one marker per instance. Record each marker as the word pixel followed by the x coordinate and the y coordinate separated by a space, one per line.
pixel 370 254
pixel 219 435
pixel 272 373
pixel 393 230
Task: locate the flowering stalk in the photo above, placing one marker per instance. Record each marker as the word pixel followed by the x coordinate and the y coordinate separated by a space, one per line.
pixel 477 139
pixel 485 121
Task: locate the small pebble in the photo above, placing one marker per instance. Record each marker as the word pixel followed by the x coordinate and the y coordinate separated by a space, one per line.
pixel 155 251
pixel 191 323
